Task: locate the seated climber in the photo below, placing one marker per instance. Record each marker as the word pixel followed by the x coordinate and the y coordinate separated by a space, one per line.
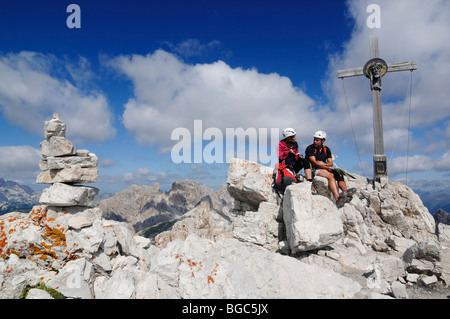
pixel 288 151
pixel 321 163
pixel 290 162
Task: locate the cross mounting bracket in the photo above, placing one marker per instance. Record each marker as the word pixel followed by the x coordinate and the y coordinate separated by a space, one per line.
pixel 374 69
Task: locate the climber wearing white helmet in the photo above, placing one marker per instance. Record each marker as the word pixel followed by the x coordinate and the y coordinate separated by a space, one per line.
pixel 320 162
pixel 288 150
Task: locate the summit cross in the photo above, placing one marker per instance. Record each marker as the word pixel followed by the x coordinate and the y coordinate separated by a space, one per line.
pixel 375 69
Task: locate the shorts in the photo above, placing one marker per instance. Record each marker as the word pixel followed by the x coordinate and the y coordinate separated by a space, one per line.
pixel 316 170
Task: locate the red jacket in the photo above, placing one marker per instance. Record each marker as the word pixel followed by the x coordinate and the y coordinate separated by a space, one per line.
pixel 283 150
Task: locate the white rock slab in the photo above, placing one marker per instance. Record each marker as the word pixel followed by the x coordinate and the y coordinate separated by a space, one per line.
pixel 60 194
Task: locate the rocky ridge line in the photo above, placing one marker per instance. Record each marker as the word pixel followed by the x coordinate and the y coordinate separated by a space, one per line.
pixel 144 206
pixel 376 246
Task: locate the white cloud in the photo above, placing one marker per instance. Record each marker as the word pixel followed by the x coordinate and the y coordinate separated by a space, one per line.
pixel 106 162
pixel 410 30
pixel 170 94
pixel 443 163
pixel 141 176
pixel 31 91
pixel 19 162
pixel 419 163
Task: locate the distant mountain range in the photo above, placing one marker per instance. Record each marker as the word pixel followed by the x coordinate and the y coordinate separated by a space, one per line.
pixel 16 197
pixel 436 201
pixel 145 206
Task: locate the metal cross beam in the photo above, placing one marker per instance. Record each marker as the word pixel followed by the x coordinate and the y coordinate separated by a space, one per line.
pixel 374 69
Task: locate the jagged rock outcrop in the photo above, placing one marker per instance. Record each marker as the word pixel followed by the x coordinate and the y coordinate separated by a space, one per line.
pixel 311 221
pixel 202 221
pixel 442 220
pixel 371 233
pixel 82 255
pixel 144 206
pixel 249 184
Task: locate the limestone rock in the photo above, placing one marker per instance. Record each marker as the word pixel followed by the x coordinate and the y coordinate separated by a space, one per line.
pixel 403 209
pixel 358 251
pixel 424 258
pixel 38 294
pixel 203 269
pixel 444 232
pixel 52 163
pixel 74 279
pixel 62 164
pixel 60 194
pixel 202 221
pixel 68 175
pixel 121 285
pixel 312 221
pixel 320 186
pixel 426 250
pixel 442 221
pixel 54 127
pixel 250 182
pixel 260 228
pixel 428 280
pixel 57 146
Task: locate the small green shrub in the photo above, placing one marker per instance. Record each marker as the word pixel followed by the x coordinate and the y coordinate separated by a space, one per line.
pixel 55 294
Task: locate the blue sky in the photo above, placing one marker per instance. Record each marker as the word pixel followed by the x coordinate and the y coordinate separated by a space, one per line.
pixel 137 70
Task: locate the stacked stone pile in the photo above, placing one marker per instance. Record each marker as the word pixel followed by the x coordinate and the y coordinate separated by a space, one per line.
pixel 64 167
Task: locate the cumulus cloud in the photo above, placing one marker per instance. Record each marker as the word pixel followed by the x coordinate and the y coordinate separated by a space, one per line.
pixel 419 163
pixel 141 176
pixel 106 162
pixel 169 94
pixel 410 30
pixel 19 161
pixel 33 86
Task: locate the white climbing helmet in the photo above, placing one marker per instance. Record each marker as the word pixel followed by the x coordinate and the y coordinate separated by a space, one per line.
pixel 288 132
pixel 320 134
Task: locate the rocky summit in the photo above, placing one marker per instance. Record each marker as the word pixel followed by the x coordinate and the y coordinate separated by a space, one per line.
pixel 382 244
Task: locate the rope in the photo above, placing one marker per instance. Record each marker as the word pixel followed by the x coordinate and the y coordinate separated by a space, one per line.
pixel 401 122
pixel 353 131
pixel 409 127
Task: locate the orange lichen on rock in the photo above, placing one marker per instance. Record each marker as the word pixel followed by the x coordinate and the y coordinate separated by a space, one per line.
pixel 53 238
pixel 57 235
pixel 37 213
pixel 3 240
pixel 197 266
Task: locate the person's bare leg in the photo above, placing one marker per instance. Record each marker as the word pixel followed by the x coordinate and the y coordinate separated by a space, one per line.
pixel 308 173
pixel 342 185
pixel 331 182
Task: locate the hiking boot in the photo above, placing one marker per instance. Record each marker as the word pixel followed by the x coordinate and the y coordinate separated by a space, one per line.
pixel 342 200
pixel 349 192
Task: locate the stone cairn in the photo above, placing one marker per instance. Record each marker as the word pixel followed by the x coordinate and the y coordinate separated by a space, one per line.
pixel 64 167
